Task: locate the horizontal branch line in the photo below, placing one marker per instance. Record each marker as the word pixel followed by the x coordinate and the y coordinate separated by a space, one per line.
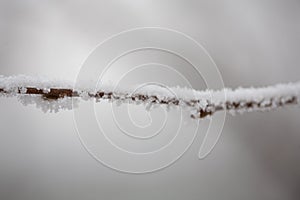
pixel 201 111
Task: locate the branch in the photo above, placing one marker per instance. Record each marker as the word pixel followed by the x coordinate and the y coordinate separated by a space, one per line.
pixel 202 103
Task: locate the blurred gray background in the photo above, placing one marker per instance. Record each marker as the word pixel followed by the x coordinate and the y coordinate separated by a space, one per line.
pixel 253 43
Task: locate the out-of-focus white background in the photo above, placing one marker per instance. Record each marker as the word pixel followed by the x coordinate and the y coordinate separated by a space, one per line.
pixel 253 43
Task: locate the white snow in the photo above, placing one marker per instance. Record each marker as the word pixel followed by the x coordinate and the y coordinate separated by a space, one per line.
pixel 11 83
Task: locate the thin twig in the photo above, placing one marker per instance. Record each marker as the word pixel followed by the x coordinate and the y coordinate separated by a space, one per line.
pixel 207 110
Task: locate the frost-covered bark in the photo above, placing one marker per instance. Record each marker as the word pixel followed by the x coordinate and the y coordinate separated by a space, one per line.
pixel 201 103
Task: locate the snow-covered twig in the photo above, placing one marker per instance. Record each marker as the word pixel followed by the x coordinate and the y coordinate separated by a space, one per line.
pixel 201 103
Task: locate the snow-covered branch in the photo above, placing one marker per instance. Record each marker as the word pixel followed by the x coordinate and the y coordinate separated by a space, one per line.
pixel 201 103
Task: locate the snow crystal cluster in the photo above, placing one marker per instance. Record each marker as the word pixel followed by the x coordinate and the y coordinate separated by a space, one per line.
pixel 13 85
pixel 52 106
